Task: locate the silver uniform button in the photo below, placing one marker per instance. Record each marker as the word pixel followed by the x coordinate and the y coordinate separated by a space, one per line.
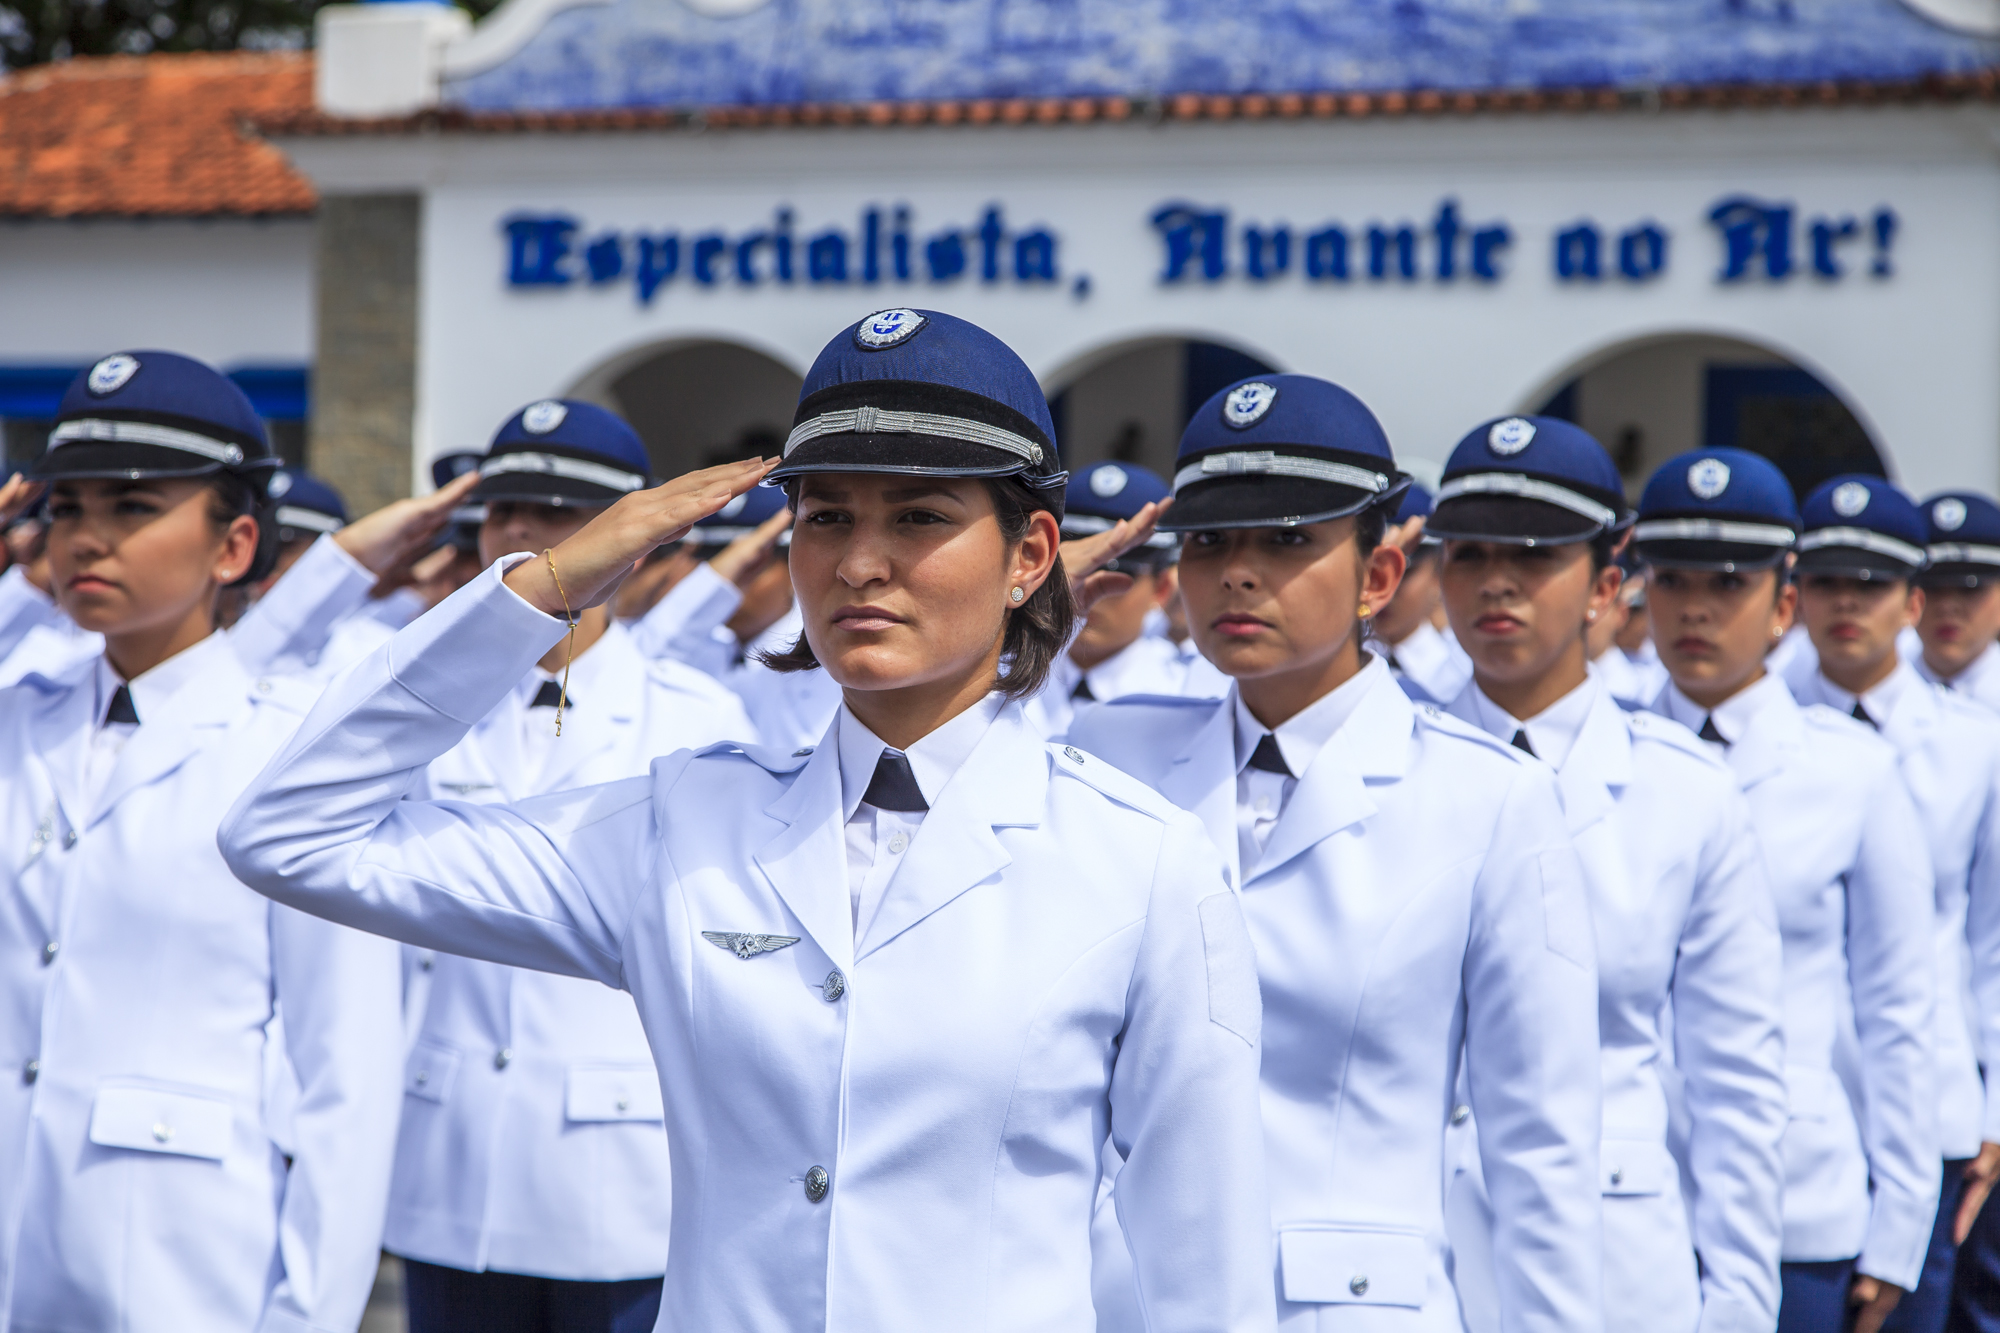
pixel 502 1058
pixel 1459 1113
pixel 816 1183
pixel 49 952
pixel 162 1131
pixel 31 1071
pixel 834 986
pixel 1617 1175
pixel 1358 1284
pixel 69 839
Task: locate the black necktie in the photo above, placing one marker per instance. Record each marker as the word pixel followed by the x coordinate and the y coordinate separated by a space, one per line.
pixel 1081 694
pixel 894 786
pixel 549 696
pixel 1269 757
pixel 1710 732
pixel 121 709
pixel 1860 714
pixel 1520 741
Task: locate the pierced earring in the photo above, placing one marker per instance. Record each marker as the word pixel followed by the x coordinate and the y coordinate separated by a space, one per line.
pixel 1016 595
pixel 1777 633
pixel 1590 615
pixel 1365 611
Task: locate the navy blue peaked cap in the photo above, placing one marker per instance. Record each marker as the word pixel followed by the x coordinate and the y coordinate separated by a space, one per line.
pixel 153 414
pixel 1862 527
pixel 1964 546
pixel 1529 481
pixel 559 451
pixel 465 520
pixel 1279 450
pixel 1416 503
pixel 305 505
pixel 926 394
pixel 739 518
pixel 1102 494
pixel 1721 509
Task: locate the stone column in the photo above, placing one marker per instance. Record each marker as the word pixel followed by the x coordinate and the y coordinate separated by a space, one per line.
pixel 365 371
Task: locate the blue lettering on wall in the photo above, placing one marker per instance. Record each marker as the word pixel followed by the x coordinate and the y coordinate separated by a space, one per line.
pixel 1195 241
pixel 884 247
pixel 1583 252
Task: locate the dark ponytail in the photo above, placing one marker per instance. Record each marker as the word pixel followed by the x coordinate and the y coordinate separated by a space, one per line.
pixel 1037 631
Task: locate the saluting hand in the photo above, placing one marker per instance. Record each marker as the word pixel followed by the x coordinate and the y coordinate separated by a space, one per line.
pixel 400 531
pixel 750 555
pixel 596 560
pixel 16 496
pixel 1875 1300
pixel 1084 558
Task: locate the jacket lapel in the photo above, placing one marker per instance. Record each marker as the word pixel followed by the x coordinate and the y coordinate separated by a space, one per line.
pixel 1202 780
pixel 1004 783
pixel 196 713
pixel 1374 743
pixel 806 860
pixel 58 736
pixel 1598 767
pixel 616 691
pixel 1774 735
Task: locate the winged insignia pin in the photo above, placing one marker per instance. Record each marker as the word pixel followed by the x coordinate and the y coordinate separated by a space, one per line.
pixel 748 946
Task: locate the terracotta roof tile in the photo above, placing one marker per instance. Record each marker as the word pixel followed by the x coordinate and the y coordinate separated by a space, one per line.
pixel 151 136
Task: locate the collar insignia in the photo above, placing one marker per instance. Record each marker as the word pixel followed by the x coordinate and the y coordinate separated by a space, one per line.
pixel 748 946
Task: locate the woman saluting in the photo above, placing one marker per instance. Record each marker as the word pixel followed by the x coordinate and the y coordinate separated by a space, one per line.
pixel 899 986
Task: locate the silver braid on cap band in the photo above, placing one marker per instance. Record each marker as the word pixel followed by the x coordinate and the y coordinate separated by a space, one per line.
pixel 294 516
pixel 1964 553
pixel 1527 488
pixel 1713 530
pixel 576 469
pixel 1267 462
pixel 877 420
pixel 99 429
pixel 1862 539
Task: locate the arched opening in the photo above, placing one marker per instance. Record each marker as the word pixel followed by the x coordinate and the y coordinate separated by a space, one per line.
pixel 1650 400
pixel 1130 402
pixel 697 403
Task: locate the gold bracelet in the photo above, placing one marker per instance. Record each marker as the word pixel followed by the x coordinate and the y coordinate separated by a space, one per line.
pixel 570 656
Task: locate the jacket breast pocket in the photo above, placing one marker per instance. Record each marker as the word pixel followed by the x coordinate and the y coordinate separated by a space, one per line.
pixel 155 1120
pixel 595 1094
pixel 431 1071
pixel 1353 1265
pixel 1633 1166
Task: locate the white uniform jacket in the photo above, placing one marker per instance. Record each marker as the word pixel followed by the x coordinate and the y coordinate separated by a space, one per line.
pixel 899 1132
pixel 1979 682
pixel 532 1137
pixel 1851 879
pixel 1432 661
pixel 1949 753
pixel 1684 919
pixel 142 1189
pixel 1418 897
pixel 1147 665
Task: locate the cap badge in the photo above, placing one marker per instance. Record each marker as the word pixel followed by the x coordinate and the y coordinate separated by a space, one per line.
pixel 1247 403
pixel 110 374
pixel 281 481
pixel 1949 514
pixel 1849 499
pixel 1708 478
pixel 1108 480
pixel 543 417
pixel 886 328
pixel 1510 436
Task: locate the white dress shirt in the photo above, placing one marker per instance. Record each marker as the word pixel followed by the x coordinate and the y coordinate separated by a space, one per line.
pixel 1432 660
pixel 1979 681
pixel 876 838
pixel 150 692
pixel 1732 716
pixel 1260 795
pixel 1879 702
pixel 1552 732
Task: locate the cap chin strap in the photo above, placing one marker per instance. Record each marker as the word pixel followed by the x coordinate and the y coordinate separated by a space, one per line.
pixel 1527 488
pixel 1713 530
pixel 293 516
pixel 559 465
pixel 1267 462
pixel 1963 553
pixel 881 421
pixel 1863 539
pixel 102 430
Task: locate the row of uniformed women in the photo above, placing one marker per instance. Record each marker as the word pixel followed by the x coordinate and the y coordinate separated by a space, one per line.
pixel 928 1077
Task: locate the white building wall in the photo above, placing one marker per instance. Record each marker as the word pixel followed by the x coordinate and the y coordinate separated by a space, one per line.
pixel 1914 354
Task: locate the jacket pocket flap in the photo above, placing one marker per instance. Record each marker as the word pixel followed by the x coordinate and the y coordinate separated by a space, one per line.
pixel 1353 1265
pixel 431 1071
pixel 1633 1166
pixel 613 1092
pixel 154 1120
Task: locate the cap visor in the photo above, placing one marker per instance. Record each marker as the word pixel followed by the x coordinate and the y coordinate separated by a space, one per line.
pixel 543 488
pixel 917 455
pixel 1958 574
pixel 118 458
pixel 1254 501
pixel 1723 556
pixel 1514 521
pixel 1851 562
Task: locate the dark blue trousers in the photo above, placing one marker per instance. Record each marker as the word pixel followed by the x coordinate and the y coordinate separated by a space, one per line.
pixel 1812 1297
pixel 450 1300
pixel 1924 1310
pixel 1975 1283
